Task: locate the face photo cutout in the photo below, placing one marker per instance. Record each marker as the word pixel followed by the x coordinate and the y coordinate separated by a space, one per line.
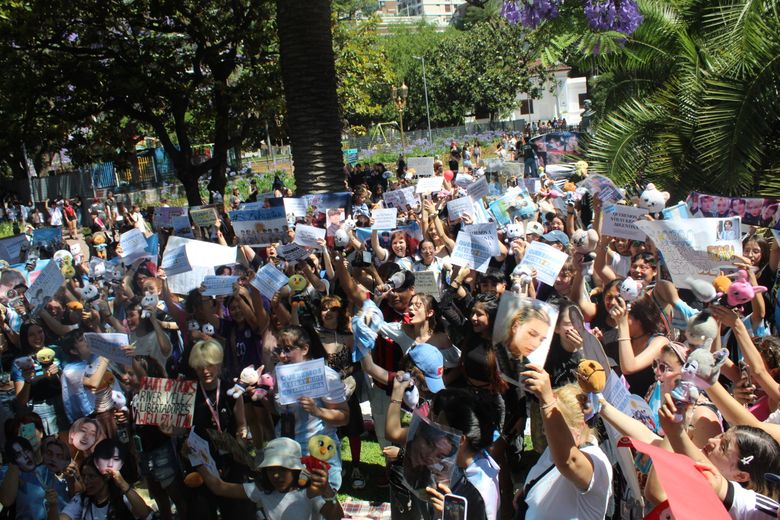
pixel 21 453
pixel 109 456
pixel 85 433
pixel 56 454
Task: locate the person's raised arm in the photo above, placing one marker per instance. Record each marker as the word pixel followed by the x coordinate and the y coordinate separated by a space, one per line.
pixel 313 279
pixel 260 314
pixel 626 425
pixel 179 314
pixel 55 325
pixel 600 267
pixel 394 432
pixel 326 261
pixel 675 434
pixel 631 363
pixel 571 462
pixel 582 298
pixel 163 340
pixel 347 283
pixel 734 413
pixel 449 243
pixel 373 370
pixel 380 252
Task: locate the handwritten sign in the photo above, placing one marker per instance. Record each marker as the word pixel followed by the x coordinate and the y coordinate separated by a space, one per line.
pixel 305 379
pixel 619 222
pixel 108 346
pixel 219 285
pixel 547 261
pixel 163 217
pixel 697 248
pixel 292 252
pixel 204 217
pixel 423 166
pixel 470 252
pixel 45 285
pixel 166 401
pixel 175 261
pixel 425 283
pixel 307 236
pixel 458 207
pixel 133 244
pixel 183 283
pixel 429 185
pixel 269 280
pixel 478 189
pixel 486 233
pixel 199 453
pixel 385 218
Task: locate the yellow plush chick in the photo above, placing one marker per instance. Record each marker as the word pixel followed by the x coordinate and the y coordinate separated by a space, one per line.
pixel 45 356
pixel 321 449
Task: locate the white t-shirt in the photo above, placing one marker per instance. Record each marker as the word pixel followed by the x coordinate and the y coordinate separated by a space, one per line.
pixel 620 264
pixel 56 216
pixel 293 505
pixel 744 504
pixel 774 417
pixel 555 497
pixel 80 508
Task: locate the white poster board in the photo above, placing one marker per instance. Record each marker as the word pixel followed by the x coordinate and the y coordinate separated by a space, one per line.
pixel 423 166
pixel 219 285
pixel 619 222
pixel 425 283
pixel 45 285
pixel 457 207
pixel 547 261
pixel 429 185
pixel 269 280
pixel 306 379
pixel 470 252
pixel 175 261
pixel 384 218
pixel 307 236
pixel 108 346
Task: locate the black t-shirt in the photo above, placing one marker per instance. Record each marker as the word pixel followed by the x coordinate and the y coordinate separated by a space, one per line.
pixel 561 364
pixel 202 418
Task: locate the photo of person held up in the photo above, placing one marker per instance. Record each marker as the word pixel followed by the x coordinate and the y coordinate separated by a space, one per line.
pixel 429 455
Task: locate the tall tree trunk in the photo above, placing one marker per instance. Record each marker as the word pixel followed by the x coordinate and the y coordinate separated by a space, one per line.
pixel 309 78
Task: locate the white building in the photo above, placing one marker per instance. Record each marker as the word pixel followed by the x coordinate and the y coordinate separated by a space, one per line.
pixel 439 12
pixel 563 100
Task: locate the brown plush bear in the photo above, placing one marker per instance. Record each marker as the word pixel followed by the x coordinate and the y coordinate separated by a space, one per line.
pixel 591 376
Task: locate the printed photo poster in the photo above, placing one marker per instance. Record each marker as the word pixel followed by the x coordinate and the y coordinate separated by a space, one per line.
pixel 412 231
pixel 522 334
pixel 45 285
pixel 305 379
pixel 515 203
pixel 259 232
pixel 422 166
pixel 558 147
pixel 401 198
pixel 601 187
pixel 50 237
pixel 317 206
pixel 430 454
pixel 163 217
pixel 334 219
pixel 182 227
pixel 165 401
pixel 11 248
pixel 761 212
pixel 697 248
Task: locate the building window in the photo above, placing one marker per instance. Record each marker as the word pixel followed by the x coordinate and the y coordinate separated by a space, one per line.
pixel 526 106
pixel 447 8
pixel 581 98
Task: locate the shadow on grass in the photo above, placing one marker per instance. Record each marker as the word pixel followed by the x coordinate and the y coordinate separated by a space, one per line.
pixel 372 465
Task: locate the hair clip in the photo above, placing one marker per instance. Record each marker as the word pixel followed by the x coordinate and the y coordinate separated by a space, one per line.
pixel 746 460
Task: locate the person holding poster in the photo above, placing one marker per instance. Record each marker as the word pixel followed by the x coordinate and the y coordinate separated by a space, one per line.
pixel 216 411
pixel 312 416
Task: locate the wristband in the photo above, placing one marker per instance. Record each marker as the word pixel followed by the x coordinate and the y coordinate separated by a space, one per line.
pixel 396 401
pixel 552 403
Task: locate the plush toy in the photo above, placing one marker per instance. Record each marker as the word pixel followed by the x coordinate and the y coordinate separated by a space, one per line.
pixel 740 292
pixel 193 325
pixel 721 283
pixel 585 241
pixel 321 449
pixel 703 291
pixel 120 401
pixel 631 290
pixel 592 379
pixel 99 244
pixel 700 371
pixel 45 357
pixel 581 169
pixel 264 387
pixel 65 262
pixel 521 279
pixel 653 200
pixel 701 331
pixel 149 304
pixel 365 325
pixel 249 376
pixel 193 480
pixel 208 329
pixel 411 394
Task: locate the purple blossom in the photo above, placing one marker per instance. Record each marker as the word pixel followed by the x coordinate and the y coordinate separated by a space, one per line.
pixel 613 15
pixel 535 12
pixel 510 12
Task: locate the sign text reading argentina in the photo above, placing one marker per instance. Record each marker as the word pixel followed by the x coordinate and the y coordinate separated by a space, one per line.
pixel 166 401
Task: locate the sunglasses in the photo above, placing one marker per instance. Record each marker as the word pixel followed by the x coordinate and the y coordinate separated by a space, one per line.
pixel 334 308
pixel 661 366
pixel 284 350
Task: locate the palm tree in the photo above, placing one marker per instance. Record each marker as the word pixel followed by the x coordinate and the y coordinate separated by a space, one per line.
pixel 309 79
pixel 692 101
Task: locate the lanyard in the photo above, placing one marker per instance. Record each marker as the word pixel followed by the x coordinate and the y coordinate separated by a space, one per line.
pixel 213 409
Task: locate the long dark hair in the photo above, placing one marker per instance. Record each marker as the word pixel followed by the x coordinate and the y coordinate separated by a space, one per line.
pixel 488 303
pixel 759 454
pixel 476 415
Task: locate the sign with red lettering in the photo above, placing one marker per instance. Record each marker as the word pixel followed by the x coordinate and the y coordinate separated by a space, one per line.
pixel 165 401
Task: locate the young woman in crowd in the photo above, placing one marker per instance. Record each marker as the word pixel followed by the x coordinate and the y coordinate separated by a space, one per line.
pixel 400 251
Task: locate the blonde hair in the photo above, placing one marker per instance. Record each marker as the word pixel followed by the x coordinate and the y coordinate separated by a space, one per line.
pixel 525 313
pixel 206 352
pixel 571 409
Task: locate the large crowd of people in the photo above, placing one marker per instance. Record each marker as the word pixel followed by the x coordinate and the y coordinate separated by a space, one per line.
pixel 401 318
